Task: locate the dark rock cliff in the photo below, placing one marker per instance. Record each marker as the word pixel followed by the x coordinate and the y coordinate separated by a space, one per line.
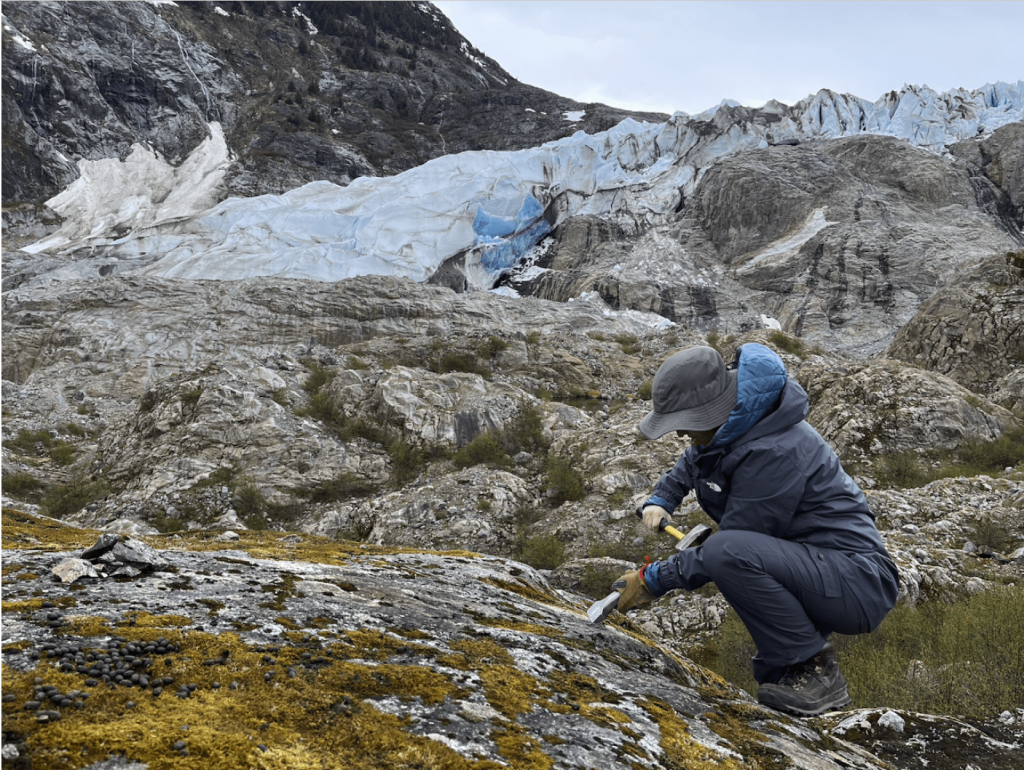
pixel 303 91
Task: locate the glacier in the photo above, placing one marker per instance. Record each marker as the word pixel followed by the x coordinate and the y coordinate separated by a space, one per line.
pixel 486 208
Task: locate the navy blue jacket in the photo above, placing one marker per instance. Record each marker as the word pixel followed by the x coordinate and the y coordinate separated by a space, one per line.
pixel 767 471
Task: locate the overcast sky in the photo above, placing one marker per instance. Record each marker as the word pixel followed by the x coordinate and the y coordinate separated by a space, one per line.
pixel 668 56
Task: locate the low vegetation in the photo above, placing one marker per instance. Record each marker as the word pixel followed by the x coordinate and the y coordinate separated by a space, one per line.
pixel 960 658
pixel 973 458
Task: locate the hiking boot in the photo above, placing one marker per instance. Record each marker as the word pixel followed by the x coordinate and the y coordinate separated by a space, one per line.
pixel 809 688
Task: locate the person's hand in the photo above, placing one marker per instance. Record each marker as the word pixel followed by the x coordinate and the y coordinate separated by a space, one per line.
pixel 653 514
pixel 632 591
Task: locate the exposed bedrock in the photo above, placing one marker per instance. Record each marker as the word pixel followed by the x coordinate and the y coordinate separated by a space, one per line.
pixel 840 241
pixel 973 329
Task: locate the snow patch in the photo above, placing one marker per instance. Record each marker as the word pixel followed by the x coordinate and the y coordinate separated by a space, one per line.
pixel 220 11
pixel 770 323
pixel 17 37
pixel 787 246
pixel 310 28
pixel 574 116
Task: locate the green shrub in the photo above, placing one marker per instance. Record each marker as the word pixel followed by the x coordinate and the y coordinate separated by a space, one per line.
pixel 406 461
pixel 354 362
pixel 342 487
pixel 973 458
pixel 454 361
pixel 629 344
pixel 62 453
pixel 249 504
pixel 37 442
pixel 533 338
pixel 541 552
pixel 280 396
pixel 64 499
pixel 991 532
pixel 597 336
pixel 319 376
pixel 222 477
pixel 23 486
pixel 190 398
pixel 714 340
pixel 788 344
pixel 564 480
pixel 492 347
pixel 75 430
pixel 646 391
pixel 900 469
pixel 526 432
pixel 596 582
pixel 485 448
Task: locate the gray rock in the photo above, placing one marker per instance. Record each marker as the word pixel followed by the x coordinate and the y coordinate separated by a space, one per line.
pixel 137 554
pixel 72 570
pixel 103 546
pixel 227 537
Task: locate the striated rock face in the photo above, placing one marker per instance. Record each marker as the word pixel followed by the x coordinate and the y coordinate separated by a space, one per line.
pixel 839 241
pixel 972 330
pixel 887 407
pixel 363 656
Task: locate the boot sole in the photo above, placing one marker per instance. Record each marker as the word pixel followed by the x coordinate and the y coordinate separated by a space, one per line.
pixel 838 701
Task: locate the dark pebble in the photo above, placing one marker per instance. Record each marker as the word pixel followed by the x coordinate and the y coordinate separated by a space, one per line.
pixel 55 624
pixel 233 686
pixel 178 746
pixel 261 747
pixel 292 673
pixel 53 616
pixel 157 691
pixel 168 680
pixel 130 704
pixel 79 704
pixel 91 683
pixel 47 605
pixel 48 716
pixel 10 697
pixel 32 705
pixel 193 687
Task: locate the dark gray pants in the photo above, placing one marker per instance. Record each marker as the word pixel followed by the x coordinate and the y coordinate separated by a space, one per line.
pixel 792 596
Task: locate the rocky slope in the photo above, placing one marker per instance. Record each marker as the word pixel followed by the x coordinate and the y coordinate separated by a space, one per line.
pixel 300 651
pixel 303 91
pixel 376 416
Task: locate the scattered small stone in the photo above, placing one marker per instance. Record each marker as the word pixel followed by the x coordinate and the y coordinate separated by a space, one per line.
pixel 48 716
pixel 178 745
pixel 32 705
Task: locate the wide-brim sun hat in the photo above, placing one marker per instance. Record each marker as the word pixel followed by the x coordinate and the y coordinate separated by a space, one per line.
pixel 693 390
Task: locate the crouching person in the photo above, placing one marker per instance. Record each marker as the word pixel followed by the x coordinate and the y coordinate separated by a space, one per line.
pixel 797 554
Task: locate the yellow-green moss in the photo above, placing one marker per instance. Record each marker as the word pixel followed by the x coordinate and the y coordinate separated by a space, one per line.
pixel 681 751
pixel 147 620
pixel 88 625
pixel 524 589
pixel 318 719
pixel 31 605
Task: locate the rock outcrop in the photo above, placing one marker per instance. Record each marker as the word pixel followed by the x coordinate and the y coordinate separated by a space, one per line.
pixel 972 330
pixel 344 653
pixel 327 652
pixel 837 241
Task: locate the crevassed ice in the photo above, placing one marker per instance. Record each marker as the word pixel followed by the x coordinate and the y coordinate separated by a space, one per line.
pixel 491 207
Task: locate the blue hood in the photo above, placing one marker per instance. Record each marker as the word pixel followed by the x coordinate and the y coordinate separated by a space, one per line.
pixel 760 378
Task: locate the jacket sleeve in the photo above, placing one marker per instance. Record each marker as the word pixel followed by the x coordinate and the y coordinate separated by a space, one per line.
pixel 766 490
pixel 676 483
pixel 682 570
